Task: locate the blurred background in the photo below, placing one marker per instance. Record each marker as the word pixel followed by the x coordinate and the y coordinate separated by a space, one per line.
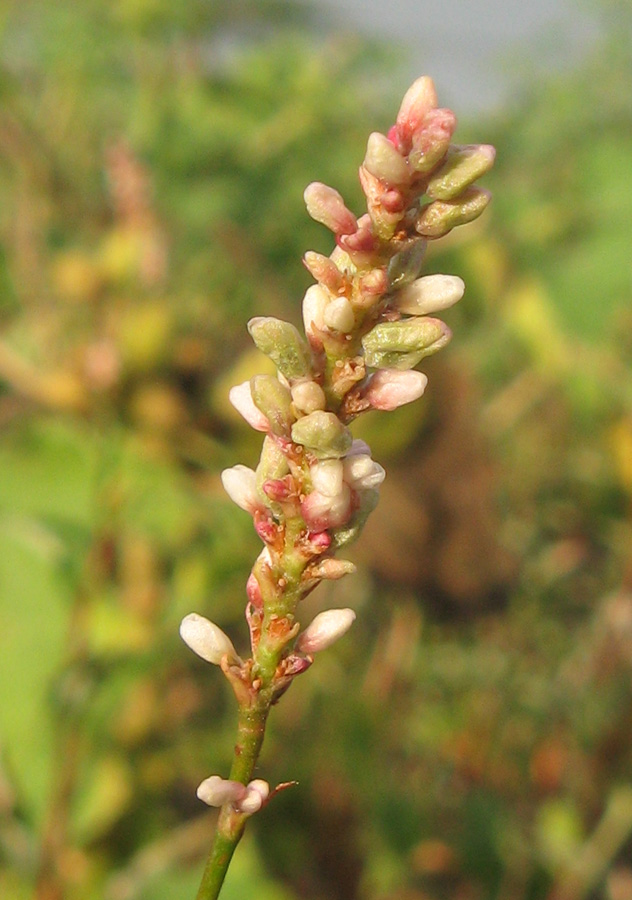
pixel 472 737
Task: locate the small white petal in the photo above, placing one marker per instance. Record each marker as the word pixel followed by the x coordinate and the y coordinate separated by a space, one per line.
pixel 241 398
pixel 429 294
pixel 389 389
pixel 327 477
pixel 339 315
pixel 325 629
pixel 262 787
pixel 216 791
pixel 314 304
pixel 240 483
pixel 207 639
pixel 363 473
pixel 251 803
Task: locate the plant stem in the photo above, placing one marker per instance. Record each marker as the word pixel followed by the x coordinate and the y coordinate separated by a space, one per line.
pixel 231 824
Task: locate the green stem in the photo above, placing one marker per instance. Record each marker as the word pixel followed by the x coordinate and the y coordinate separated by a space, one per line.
pixel 231 824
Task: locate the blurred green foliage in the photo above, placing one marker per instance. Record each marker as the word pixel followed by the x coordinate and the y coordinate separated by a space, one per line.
pixel 472 738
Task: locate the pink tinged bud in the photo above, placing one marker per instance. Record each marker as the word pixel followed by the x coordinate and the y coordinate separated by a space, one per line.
pixel 319 541
pixel 216 791
pixel 429 294
pixel 462 166
pixel 308 396
pixel 432 140
pixel 325 630
pixel 362 473
pixel 296 665
pixel 240 483
pixel 374 283
pixel 241 398
pixel 418 100
pixel 339 315
pixel 401 345
pixel 383 161
pixel 324 270
pixel 207 639
pixel 274 401
pixel 265 528
pixel 321 511
pixel 327 477
pixel 440 217
pixel 362 241
pixel 253 592
pixel 393 202
pixel 278 490
pixel 256 794
pixel 282 343
pixel 323 433
pixel 325 205
pixel 389 389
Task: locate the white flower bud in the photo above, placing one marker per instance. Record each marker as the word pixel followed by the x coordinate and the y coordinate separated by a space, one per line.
pixel 308 396
pixel 241 398
pixel 325 629
pixel 207 639
pixel 314 304
pixel 429 294
pixel 240 483
pixel 257 793
pixel 389 389
pixel 362 473
pixel 327 477
pixel 216 791
pixel 321 512
pixel 339 316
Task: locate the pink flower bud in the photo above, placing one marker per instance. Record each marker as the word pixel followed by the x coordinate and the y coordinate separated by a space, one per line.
pixel 431 140
pixel 418 100
pixel 241 398
pixel 253 591
pixel 240 483
pixel 207 640
pixel 319 541
pixel 216 791
pixel 325 205
pixel 389 389
pixel 325 630
pixel 383 161
pixel 321 512
pixel 324 270
pixel 429 294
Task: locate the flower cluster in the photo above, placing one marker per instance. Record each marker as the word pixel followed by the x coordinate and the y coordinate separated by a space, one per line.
pixel 368 321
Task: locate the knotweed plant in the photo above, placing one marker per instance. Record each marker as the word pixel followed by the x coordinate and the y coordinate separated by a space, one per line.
pixel 369 321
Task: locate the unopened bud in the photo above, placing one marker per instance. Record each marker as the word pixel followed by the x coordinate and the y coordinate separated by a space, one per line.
pixel 272 463
pixel 339 315
pixel 442 216
pixel 325 630
pixel 329 569
pixel 240 483
pixel 308 396
pixel 216 791
pixel 362 473
pixel 326 476
pixel 462 166
pixel 274 401
pixel 418 100
pixel 281 342
pixel 323 433
pixel 207 640
pixel 431 141
pixel 401 345
pixel 325 205
pixel 241 398
pixel 389 389
pixel 322 511
pixel 344 536
pixel 324 270
pixel 383 161
pixel 429 294
pixel 257 793
pixel 315 303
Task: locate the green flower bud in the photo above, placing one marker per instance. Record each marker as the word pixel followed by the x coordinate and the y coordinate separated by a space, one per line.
pixel 462 166
pixel 401 345
pixel 282 343
pixel 442 216
pixel 323 433
pixel 272 466
pixel 274 400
